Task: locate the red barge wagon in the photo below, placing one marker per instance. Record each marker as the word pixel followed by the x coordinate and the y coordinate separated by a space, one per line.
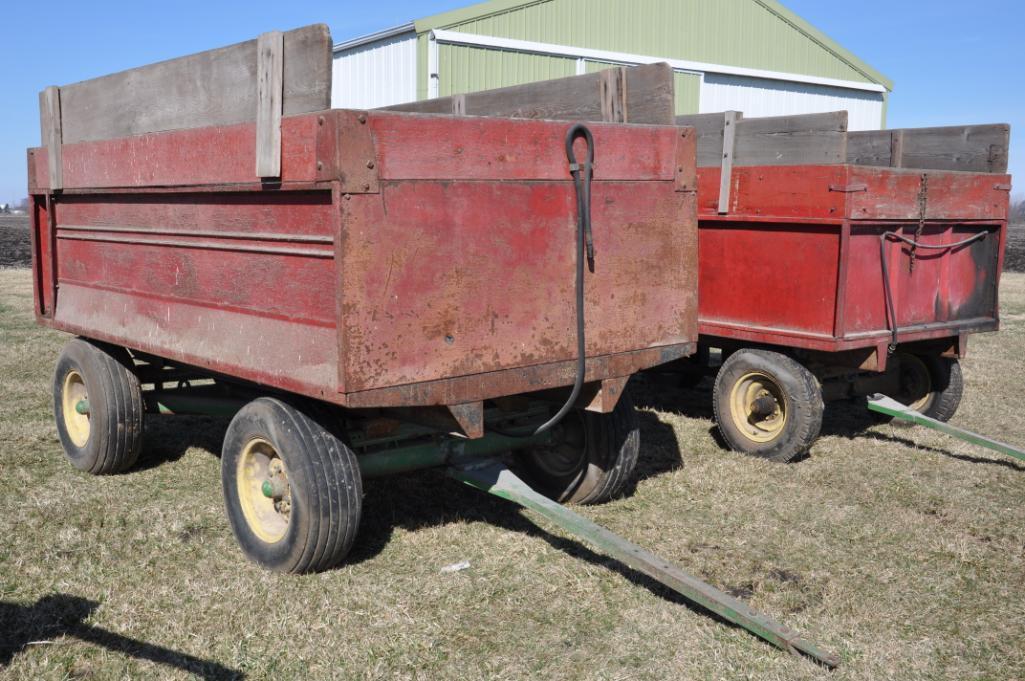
pixel 356 285
pixel 837 264
pixel 797 220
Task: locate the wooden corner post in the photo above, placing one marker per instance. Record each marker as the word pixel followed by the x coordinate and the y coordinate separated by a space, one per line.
pixel 270 48
pixel 729 145
pixel 52 134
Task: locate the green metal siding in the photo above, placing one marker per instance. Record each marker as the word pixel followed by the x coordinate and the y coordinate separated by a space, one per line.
pixel 746 33
pixel 421 66
pixel 595 66
pixel 469 69
pixel 688 93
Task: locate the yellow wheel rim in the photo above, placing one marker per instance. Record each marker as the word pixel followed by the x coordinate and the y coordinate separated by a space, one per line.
pixel 73 392
pixel 263 490
pixel 758 407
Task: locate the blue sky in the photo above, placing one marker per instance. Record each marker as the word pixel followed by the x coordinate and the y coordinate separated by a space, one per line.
pixel 952 62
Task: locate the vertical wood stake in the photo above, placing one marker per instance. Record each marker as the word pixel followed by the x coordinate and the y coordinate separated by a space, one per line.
pixel 269 95
pixel 729 141
pixel 51 133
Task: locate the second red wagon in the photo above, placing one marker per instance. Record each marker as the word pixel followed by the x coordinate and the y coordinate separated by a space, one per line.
pixel 836 264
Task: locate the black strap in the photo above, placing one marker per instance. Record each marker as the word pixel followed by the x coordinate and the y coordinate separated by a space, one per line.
pixel 891 315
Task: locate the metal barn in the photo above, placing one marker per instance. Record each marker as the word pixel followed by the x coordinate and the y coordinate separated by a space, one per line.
pixel 754 56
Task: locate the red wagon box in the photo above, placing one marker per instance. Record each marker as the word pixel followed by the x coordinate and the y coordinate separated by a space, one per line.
pixel 366 291
pixel 865 258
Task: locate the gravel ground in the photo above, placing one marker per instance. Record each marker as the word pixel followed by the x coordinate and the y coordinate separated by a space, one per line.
pixel 15 250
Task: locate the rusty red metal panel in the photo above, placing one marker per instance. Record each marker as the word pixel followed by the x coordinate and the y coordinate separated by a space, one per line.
pixel 370 291
pixel 284 353
pixel 884 194
pixel 43 283
pixel 458 389
pixel 453 278
pixel 967 196
pixel 269 254
pixel 764 281
pixel 773 277
pixel 184 158
pixel 472 148
pixel 791 192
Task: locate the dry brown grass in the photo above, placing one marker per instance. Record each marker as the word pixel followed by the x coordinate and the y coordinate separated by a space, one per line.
pixel 900 548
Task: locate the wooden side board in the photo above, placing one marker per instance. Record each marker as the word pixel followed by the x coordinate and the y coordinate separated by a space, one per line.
pixel 972 148
pixel 809 139
pixel 640 94
pixel 216 87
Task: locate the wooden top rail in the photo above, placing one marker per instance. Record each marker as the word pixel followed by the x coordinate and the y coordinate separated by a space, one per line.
pixel 971 148
pixel 819 139
pixel 257 80
pixel 823 139
pixel 639 94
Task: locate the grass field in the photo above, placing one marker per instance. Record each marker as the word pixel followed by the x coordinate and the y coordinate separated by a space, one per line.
pixel 899 548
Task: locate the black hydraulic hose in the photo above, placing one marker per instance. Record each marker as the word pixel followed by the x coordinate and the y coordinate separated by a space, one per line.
pixel 582 173
pixel 891 315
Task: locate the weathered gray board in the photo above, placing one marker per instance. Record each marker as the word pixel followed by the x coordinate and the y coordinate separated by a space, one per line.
pixel 269 92
pixel 973 148
pixel 639 94
pixel 217 87
pixel 774 140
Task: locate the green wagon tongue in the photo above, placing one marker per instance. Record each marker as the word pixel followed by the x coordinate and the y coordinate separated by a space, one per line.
pixel 494 478
pixel 891 407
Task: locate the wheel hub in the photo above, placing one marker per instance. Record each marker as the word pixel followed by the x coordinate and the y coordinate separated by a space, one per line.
pixel 263 489
pixel 565 456
pixel 758 407
pixel 75 408
pixel 915 383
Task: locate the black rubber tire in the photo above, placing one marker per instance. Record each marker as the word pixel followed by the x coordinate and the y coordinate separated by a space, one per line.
pixel 604 461
pixel 324 481
pixel 803 406
pixel 946 387
pixel 115 420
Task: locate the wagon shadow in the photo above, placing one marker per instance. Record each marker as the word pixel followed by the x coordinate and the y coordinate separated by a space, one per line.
pixel 168 438
pixel 664 393
pixel 430 499
pixel 852 419
pixel 58 615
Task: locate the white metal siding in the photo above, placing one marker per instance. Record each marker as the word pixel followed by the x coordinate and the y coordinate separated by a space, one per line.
pixel 376 74
pixel 761 97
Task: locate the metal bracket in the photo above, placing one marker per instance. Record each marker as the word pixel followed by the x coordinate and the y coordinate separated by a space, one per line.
pixel 849 188
pixel 608 395
pixel 686 160
pixel 346 151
